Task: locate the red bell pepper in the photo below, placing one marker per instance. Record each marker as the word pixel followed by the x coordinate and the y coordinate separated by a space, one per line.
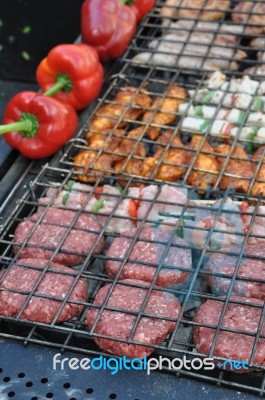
pixel 141 7
pixel 37 125
pixel 109 25
pixel 72 73
pixel 133 208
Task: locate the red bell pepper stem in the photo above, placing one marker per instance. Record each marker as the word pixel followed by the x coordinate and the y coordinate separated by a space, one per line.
pixel 27 126
pixel 38 125
pixel 63 82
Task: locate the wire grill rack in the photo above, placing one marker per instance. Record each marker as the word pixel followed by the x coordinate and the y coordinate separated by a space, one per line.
pixel 229 117
pixel 155 79
pixel 74 334
pixel 227 35
pixel 201 163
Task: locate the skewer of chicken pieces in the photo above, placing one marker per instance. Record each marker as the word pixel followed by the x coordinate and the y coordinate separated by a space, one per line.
pixel 109 148
pixel 128 105
pixel 115 144
pixel 169 162
pixel 163 110
pixel 259 185
pixel 235 169
pixel 171 158
pixel 242 170
pixel 204 167
pixel 208 163
pixel 105 135
pixel 166 164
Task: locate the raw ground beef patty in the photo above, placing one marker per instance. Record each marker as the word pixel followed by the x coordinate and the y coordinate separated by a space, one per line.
pixel 253 269
pixel 150 252
pixel 230 345
pixel 50 231
pixel 54 283
pixel 119 324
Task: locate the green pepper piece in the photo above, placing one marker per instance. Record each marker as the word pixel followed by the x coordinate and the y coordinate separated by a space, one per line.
pixel 180 228
pixel 207 98
pixel 198 111
pixel 257 104
pixel 253 134
pixel 68 187
pixel 98 205
pixel 124 192
pixel 203 127
pixel 242 118
pixel 251 137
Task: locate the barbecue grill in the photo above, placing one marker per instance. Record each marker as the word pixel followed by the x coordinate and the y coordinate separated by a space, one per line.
pixel 20 194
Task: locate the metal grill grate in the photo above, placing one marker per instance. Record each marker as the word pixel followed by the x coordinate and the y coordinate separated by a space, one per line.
pixel 202 36
pixel 199 153
pixel 198 171
pixel 74 334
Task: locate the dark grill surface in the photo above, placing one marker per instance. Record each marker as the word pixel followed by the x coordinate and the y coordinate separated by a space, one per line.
pixel 201 201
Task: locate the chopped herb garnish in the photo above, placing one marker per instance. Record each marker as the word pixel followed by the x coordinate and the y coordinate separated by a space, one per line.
pixel 124 192
pixel 1 23
pixel 242 117
pixel 70 184
pixel 203 127
pixel 1 47
pixel 257 104
pixel 98 205
pixel 180 230
pixel 65 198
pixel 207 98
pixel 25 55
pixel 253 134
pixel 68 187
pixel 26 29
pixel 251 137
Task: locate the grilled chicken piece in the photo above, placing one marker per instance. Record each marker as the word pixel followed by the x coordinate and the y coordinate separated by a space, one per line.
pixel 208 10
pixel 87 161
pixel 251 15
pixel 238 166
pixel 259 187
pixel 169 10
pixel 137 167
pixel 134 97
pixel 163 110
pixel 189 61
pixel 258 43
pixel 100 140
pixel 176 156
pixel 256 72
pixel 206 162
pixel 129 104
pixel 129 144
pixel 209 32
pixel 189 50
pixel 107 117
pixel 108 142
pixel 116 148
